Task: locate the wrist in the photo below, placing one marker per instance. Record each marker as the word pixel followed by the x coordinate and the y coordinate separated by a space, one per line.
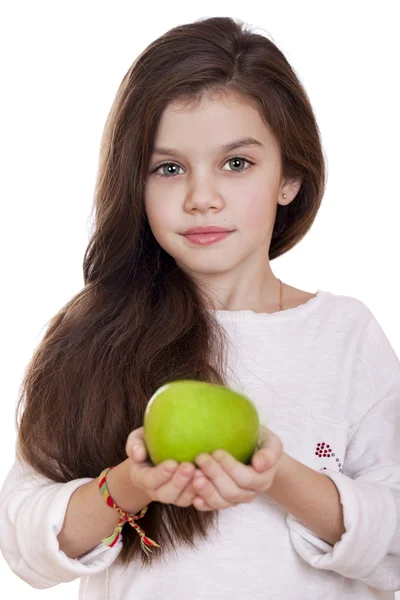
pixel 128 497
pixel 282 478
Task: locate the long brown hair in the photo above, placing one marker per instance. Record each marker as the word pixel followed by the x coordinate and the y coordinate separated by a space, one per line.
pixel 139 321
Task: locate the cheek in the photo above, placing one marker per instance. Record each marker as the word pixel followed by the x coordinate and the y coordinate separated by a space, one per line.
pixel 163 220
pixel 159 213
pixel 258 212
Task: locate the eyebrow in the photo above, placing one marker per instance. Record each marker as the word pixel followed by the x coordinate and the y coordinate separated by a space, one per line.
pixel 241 142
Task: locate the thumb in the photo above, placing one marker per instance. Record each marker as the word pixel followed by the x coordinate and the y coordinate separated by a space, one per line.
pixel 135 446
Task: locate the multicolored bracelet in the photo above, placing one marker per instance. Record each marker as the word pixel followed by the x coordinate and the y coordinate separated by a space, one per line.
pixel 124 517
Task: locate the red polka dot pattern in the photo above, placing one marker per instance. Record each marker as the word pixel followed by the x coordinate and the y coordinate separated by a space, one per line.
pixel 324 450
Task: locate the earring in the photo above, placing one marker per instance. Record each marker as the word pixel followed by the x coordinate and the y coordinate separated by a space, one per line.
pixel 284 195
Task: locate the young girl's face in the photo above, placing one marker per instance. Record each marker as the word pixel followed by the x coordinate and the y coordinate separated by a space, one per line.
pixel 205 186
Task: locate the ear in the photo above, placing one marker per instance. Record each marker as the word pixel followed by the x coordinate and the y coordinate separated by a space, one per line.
pixel 291 188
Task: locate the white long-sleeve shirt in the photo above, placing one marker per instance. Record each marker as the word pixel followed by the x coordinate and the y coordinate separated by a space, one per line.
pixel 325 378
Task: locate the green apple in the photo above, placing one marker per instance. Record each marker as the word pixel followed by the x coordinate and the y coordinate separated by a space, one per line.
pixel 187 417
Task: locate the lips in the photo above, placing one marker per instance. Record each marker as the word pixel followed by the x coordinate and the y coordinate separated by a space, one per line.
pixel 204 239
pixel 206 229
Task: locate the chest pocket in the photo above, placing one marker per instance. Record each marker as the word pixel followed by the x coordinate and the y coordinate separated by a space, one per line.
pixel 325 443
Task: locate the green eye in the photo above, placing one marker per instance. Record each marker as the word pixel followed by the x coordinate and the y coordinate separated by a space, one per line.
pixel 236 159
pixel 173 164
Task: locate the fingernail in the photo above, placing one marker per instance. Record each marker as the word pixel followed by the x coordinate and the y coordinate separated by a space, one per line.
pixel 186 471
pixel 171 467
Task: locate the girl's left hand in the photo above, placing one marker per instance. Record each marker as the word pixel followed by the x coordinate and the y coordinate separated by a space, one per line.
pixel 222 481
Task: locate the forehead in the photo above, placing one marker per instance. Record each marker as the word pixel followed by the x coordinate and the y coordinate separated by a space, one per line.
pixel 210 123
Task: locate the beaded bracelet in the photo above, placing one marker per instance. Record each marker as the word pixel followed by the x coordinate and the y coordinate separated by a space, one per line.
pixel 124 517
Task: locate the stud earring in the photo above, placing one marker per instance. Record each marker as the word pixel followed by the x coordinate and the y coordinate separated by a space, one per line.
pixel 284 195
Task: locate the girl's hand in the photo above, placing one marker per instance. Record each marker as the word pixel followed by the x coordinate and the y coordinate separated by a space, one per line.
pixel 223 481
pixel 167 482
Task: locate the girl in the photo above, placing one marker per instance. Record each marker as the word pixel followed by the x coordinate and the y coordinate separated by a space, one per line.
pixel 210 128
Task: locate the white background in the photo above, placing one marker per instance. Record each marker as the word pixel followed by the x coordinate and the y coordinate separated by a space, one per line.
pixel 62 63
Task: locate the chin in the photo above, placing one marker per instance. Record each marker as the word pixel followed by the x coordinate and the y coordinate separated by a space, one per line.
pixel 207 270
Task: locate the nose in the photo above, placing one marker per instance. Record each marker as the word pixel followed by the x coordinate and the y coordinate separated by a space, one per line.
pixel 203 196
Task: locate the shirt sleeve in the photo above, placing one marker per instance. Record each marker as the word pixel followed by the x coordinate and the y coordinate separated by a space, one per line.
pixel 32 512
pixel 369 486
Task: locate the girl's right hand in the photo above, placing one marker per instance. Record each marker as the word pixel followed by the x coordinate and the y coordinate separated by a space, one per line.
pixel 168 482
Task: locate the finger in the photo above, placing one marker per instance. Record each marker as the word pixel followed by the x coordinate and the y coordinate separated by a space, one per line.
pixel 209 494
pixel 263 436
pixel 269 453
pixel 226 486
pixel 198 501
pixel 135 446
pixel 151 478
pixel 245 476
pixel 169 492
pixel 201 504
pixel 187 495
